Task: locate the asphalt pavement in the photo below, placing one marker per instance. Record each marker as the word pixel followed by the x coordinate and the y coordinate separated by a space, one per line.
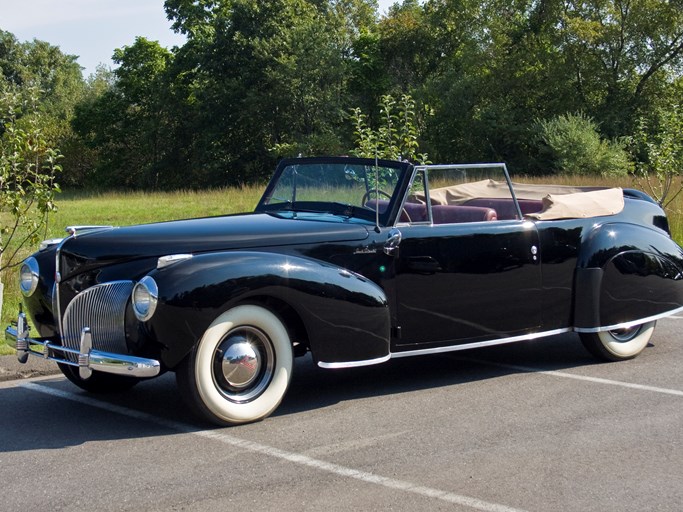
pixel 533 426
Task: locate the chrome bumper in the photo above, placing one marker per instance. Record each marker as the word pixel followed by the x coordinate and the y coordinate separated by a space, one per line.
pixel 17 337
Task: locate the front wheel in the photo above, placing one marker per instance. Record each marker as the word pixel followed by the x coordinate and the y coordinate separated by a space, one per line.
pixel 240 369
pixel 619 344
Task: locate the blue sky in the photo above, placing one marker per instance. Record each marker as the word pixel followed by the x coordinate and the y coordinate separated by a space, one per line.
pixel 92 29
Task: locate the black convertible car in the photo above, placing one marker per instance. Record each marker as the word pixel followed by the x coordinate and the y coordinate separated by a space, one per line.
pixel 355 261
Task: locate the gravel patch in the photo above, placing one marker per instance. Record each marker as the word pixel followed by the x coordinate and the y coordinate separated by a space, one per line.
pixel 12 369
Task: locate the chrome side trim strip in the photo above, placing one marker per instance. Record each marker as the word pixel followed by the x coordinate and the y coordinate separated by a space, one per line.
pixel 626 325
pixel 489 343
pixel 478 344
pixel 353 364
pixel 440 350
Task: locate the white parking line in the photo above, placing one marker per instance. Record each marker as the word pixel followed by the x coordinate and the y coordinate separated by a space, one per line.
pixel 271 451
pixel 565 375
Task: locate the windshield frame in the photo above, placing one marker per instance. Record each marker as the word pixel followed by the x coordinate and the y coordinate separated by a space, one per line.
pixel 352 211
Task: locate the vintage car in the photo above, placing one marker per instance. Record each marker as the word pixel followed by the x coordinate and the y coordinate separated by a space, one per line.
pixel 356 261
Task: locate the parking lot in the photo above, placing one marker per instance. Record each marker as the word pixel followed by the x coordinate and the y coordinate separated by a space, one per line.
pixel 533 426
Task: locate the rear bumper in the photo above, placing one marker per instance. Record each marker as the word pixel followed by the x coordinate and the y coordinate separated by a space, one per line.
pixel 89 359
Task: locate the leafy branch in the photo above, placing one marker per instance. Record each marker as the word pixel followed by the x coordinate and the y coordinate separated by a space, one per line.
pixel 661 144
pixel 396 138
pixel 28 167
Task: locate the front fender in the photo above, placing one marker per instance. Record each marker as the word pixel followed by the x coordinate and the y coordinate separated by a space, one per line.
pixel 626 273
pixel 346 316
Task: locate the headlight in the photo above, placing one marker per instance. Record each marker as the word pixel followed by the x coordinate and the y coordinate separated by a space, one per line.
pixel 145 297
pixel 28 276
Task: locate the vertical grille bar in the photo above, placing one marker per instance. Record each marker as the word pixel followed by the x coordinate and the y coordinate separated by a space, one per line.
pixel 103 309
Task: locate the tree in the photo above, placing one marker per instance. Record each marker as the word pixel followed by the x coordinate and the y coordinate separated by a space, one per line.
pixel 257 80
pixel 129 121
pixel 659 142
pixel 81 156
pixel 621 53
pixel 28 168
pixel 396 137
pixel 408 45
pixel 265 79
pixel 53 79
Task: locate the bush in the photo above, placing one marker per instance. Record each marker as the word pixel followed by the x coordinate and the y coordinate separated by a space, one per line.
pixel 571 144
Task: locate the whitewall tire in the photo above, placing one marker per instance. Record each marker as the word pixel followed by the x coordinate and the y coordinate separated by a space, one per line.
pixel 241 368
pixel 618 344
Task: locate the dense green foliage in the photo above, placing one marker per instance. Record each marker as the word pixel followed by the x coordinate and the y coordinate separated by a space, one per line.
pixel 573 145
pixel 544 85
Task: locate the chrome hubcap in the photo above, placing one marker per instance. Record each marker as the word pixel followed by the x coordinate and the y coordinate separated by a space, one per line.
pixel 624 335
pixel 243 364
pixel 240 364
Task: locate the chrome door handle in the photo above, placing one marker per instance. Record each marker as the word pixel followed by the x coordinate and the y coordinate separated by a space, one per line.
pixel 392 242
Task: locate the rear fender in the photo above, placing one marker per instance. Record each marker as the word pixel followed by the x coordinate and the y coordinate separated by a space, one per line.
pixel 626 273
pixel 346 316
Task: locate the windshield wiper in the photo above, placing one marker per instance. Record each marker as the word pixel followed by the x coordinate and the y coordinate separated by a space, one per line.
pixel 335 208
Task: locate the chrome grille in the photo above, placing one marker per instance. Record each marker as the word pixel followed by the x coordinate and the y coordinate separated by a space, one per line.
pixel 103 309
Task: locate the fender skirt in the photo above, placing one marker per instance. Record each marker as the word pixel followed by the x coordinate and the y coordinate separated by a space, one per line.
pixel 346 316
pixel 630 274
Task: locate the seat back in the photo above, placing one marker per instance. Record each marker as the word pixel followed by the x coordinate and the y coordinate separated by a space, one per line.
pixel 505 207
pixel 448 214
pixel 412 212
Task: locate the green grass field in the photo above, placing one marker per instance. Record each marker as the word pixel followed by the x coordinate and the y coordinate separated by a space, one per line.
pixel 118 209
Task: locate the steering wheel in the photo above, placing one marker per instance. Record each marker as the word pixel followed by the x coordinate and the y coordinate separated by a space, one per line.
pixel 380 192
pixel 367 195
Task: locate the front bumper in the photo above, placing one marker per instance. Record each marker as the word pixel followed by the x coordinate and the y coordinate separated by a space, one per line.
pixel 89 359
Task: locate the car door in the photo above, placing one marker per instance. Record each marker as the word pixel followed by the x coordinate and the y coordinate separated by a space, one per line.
pixel 464 280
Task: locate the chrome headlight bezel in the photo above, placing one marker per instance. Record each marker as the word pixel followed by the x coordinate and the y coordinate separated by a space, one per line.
pixel 144 298
pixel 29 275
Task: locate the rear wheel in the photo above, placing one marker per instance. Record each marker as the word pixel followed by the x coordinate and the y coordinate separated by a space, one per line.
pixel 240 369
pixel 618 344
pixel 98 382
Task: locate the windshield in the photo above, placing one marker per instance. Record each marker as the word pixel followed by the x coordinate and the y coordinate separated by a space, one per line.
pixel 341 187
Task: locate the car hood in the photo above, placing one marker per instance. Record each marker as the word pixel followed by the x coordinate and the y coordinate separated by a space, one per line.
pixel 243 231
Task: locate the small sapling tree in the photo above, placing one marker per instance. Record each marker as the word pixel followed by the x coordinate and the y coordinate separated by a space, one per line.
pixel 28 166
pixel 660 146
pixel 396 137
